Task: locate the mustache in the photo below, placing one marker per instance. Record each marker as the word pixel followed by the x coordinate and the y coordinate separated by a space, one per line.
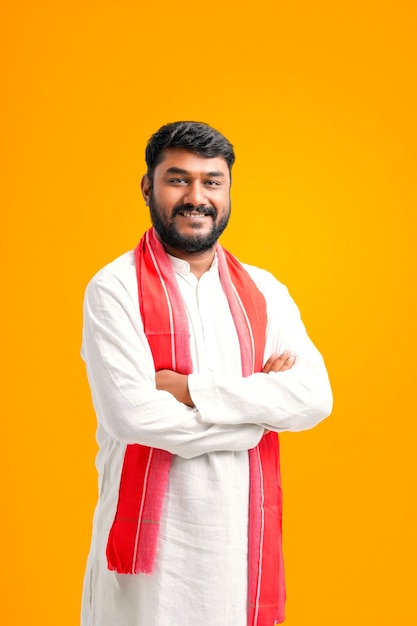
pixel 200 208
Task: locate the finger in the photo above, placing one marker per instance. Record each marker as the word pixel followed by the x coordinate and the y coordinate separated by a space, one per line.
pixel 287 365
pixel 283 362
pixel 278 363
pixel 267 367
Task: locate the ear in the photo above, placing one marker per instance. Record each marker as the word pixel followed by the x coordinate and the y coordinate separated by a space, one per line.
pixel 146 187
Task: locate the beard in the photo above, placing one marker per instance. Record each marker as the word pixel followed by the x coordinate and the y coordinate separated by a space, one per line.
pixel 191 244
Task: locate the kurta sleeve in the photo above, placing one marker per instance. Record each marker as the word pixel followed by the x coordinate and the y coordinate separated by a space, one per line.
pixel 122 379
pixel 293 400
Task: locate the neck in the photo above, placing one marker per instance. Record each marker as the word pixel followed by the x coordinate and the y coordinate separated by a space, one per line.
pixel 199 262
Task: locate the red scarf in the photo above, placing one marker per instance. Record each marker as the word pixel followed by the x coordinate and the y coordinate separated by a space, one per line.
pixel 132 542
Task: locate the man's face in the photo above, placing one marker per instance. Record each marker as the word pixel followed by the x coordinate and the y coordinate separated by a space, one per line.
pixel 189 200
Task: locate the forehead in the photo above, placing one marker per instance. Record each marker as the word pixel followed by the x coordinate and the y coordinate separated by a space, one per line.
pixel 191 163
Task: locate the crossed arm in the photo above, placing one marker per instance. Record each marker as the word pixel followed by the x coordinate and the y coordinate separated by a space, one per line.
pixel 203 412
pixel 177 384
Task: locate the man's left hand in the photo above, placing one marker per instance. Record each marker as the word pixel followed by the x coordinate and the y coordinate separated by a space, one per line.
pixel 174 383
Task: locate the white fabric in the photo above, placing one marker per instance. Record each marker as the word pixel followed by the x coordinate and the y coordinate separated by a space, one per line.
pixel 201 566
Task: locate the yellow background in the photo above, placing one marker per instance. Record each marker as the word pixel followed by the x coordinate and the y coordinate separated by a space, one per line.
pixel 319 99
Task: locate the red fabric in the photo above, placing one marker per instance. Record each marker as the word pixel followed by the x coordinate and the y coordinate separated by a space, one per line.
pixel 133 537
pixel 266 592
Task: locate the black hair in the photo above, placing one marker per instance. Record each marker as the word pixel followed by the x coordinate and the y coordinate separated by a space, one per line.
pixel 195 137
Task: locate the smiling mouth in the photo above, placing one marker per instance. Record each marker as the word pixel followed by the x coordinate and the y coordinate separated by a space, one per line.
pixel 193 214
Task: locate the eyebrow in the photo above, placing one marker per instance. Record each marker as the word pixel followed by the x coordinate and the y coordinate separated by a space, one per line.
pixel 179 170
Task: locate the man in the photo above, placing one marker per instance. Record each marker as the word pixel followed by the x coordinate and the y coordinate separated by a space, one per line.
pixel 195 362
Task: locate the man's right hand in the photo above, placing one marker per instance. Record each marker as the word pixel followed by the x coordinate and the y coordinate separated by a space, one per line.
pixel 279 363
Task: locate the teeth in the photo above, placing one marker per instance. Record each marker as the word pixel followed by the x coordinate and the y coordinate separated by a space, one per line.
pixel 189 214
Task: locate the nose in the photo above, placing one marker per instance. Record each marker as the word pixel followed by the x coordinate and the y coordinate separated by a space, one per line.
pixel 195 194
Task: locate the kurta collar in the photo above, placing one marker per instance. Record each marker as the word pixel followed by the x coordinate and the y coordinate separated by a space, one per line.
pixel 183 267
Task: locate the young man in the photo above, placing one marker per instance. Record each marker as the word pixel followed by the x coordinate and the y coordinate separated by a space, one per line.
pixel 195 362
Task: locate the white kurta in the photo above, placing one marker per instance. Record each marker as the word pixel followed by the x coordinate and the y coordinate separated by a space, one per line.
pixel 200 575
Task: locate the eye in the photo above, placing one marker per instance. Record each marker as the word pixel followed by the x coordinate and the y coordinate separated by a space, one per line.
pixel 177 181
pixel 212 183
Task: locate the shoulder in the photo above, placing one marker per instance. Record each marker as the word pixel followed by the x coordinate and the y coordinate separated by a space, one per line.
pixel 265 281
pixel 276 294
pixel 117 280
pixel 121 271
pixel 120 268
